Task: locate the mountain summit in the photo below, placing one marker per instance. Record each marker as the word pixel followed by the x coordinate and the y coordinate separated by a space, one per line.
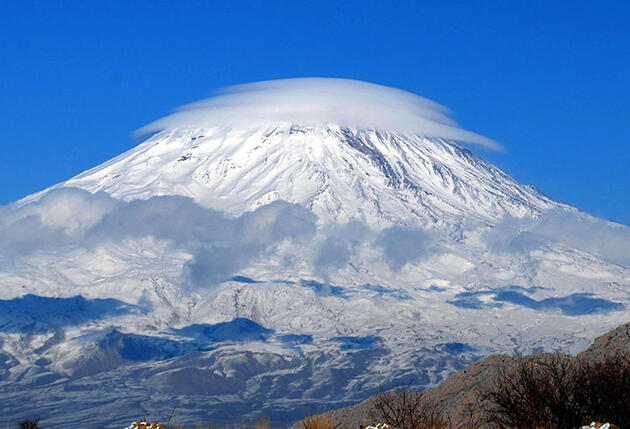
pixel 374 176
pixel 286 247
pixel 345 149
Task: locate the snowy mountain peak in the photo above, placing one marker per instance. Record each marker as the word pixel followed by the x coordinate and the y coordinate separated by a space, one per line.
pixel 345 149
pixel 341 174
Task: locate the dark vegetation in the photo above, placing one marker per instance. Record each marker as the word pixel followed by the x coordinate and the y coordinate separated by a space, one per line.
pixel 29 424
pixel 319 422
pixel 546 391
pixel 407 410
pixel 559 392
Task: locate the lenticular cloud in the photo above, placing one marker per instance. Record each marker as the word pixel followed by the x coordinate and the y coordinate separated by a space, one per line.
pixel 321 102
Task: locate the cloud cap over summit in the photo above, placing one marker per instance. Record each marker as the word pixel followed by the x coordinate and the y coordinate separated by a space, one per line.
pixel 320 102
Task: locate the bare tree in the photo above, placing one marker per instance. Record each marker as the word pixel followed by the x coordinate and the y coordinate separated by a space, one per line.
pixel 558 392
pixel 407 410
pixel 603 389
pixel 30 424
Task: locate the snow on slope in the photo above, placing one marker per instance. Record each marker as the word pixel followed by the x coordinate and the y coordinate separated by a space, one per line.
pixel 446 259
pixel 377 177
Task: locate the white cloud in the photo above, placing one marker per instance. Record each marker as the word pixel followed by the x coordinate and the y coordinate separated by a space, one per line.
pixel 397 245
pixel 341 242
pixel 321 101
pixel 220 245
pixel 403 245
pixel 70 209
pixel 576 230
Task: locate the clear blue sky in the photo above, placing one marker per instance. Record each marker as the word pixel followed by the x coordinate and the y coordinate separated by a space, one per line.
pixel 550 80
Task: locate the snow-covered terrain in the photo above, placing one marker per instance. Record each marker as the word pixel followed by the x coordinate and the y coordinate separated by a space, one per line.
pixel 235 272
pixel 376 177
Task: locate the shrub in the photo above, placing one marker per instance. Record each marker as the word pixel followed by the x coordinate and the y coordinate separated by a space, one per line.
pixel 558 392
pixel 30 424
pixel 263 424
pixel 404 409
pixel 603 390
pixel 531 394
pixel 317 422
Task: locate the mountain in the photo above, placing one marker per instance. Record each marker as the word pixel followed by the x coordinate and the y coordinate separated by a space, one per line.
pixel 458 394
pixel 266 267
pixel 377 177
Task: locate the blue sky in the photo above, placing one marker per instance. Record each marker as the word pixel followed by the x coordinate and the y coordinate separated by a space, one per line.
pixel 549 80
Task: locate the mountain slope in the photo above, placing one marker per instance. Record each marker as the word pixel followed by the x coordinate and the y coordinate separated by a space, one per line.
pixel 377 177
pixel 457 395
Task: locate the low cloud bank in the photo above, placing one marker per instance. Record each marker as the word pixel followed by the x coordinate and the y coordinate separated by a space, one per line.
pixel 321 101
pixel 339 247
pixel 398 246
pixel 220 245
pixel 576 230
pixel 60 218
pixel 403 245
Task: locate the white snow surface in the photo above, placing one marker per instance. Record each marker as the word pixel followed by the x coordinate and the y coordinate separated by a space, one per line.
pixel 424 259
pixel 377 177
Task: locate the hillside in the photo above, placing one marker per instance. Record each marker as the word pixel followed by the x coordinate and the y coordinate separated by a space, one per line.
pixel 458 394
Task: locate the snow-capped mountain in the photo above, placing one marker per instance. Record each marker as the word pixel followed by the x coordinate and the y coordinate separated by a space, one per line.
pixel 377 177
pixel 288 266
